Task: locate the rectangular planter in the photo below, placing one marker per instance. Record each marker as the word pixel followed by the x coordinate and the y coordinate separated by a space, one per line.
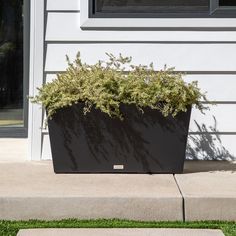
pixel 96 143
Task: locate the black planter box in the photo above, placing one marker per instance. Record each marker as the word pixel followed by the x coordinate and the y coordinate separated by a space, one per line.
pixel 96 143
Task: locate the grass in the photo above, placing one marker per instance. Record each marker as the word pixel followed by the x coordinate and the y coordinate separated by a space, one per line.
pixel 10 228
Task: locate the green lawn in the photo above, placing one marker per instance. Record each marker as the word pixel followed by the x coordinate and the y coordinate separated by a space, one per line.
pixel 10 228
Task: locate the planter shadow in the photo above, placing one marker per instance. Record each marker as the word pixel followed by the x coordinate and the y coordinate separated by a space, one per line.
pixel 207 145
pixel 209 166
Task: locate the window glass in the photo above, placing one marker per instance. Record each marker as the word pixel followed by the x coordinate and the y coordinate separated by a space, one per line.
pixel 11 63
pixel 151 6
pixel 227 2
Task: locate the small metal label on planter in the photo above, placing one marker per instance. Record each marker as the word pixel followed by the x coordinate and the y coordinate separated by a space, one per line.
pixel 118 167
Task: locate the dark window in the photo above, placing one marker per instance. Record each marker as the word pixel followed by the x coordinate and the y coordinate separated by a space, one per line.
pixel 11 63
pixel 227 2
pixel 14 43
pixel 142 6
pixel 162 8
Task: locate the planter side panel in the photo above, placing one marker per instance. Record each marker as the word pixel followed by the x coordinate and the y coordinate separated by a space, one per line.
pixel 95 143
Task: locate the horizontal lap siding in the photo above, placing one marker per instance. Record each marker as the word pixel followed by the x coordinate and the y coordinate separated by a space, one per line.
pixel 219 118
pixel 207 56
pixel 63 5
pixel 46 149
pixel 184 57
pixel 211 147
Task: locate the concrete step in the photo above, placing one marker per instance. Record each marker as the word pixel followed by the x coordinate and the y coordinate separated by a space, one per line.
pixel 120 232
pixel 31 190
pixel 209 190
pixel 13 150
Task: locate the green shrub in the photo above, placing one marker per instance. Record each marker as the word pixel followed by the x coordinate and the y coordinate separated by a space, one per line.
pixel 106 85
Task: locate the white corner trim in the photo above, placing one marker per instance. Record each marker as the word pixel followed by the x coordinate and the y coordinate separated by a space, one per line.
pixel 84 12
pixel 35 77
pixel 150 23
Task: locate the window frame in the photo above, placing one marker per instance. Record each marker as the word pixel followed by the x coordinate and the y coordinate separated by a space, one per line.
pixel 221 18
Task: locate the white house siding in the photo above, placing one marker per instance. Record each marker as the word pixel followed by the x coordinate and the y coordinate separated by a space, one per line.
pixel 206 56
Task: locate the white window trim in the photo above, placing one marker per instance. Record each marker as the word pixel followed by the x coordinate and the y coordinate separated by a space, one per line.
pixel 35 78
pixel 152 23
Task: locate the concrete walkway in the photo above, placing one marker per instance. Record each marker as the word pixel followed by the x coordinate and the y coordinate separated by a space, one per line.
pixel 13 150
pixel 209 190
pixel 30 190
pixel 120 232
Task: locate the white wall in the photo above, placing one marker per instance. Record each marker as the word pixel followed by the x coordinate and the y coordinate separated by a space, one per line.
pixel 206 56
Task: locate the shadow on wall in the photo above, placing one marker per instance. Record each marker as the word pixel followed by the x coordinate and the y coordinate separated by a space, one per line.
pixel 208 145
pixel 209 166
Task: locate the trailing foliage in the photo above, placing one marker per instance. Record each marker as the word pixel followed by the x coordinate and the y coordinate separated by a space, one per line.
pixel 106 85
